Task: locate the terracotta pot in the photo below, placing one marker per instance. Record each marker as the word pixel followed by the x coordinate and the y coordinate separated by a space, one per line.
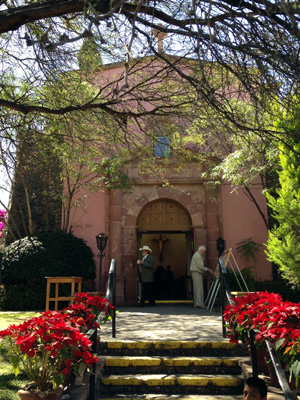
pixel 262 355
pixel 34 394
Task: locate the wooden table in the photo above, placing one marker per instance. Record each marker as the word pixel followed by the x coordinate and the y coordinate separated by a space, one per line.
pixel 73 280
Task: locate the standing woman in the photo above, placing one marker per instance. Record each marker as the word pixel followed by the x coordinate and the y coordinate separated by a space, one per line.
pixel 197 268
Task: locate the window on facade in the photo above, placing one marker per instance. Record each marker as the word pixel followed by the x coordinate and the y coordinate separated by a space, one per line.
pixel 161 146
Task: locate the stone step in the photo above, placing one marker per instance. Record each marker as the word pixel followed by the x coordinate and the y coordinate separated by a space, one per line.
pixel 164 368
pixel 172 384
pixel 170 397
pixel 176 348
pixel 170 365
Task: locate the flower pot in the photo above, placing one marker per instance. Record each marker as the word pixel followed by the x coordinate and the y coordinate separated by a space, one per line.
pixel 261 355
pixel 32 393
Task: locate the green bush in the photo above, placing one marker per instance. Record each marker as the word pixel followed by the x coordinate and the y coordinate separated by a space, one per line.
pixel 28 261
pixel 281 287
pixel 236 282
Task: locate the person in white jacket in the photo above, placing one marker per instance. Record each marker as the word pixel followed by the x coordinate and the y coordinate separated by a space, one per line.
pixel 197 268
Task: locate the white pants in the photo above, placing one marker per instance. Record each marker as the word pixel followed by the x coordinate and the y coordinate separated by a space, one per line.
pixel 198 289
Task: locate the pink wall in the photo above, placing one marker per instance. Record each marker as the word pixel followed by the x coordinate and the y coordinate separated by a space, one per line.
pixel 241 220
pixel 89 220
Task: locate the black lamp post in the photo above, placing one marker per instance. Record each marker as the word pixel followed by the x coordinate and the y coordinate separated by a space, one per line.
pixel 220 246
pixel 101 244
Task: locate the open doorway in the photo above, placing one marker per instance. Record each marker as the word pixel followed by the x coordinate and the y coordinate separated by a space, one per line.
pixel 165 226
pixel 172 254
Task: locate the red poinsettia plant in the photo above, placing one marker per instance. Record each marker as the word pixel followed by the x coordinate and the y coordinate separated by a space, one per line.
pixel 46 347
pixel 271 319
pixel 87 310
pixel 248 313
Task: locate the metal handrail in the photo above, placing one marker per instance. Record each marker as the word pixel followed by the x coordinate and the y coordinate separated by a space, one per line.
pixel 68 388
pixel 110 296
pixel 111 287
pixel 92 335
pixel 226 293
pixel 288 394
pixel 111 293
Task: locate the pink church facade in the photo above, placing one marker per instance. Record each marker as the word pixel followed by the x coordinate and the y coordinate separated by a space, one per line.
pixel 172 220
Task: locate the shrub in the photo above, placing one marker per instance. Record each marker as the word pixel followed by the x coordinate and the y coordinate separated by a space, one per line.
pixel 281 287
pixel 28 261
pixel 236 281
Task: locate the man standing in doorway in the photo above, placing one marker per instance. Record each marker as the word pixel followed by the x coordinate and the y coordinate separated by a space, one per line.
pixel 197 268
pixel 146 275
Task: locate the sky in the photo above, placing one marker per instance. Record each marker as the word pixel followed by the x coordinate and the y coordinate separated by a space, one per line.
pixel 4 194
pixel 4 198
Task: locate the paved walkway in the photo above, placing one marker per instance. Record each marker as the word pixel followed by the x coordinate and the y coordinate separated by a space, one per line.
pixel 165 322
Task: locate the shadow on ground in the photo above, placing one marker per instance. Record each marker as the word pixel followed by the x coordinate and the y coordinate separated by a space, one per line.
pixel 165 322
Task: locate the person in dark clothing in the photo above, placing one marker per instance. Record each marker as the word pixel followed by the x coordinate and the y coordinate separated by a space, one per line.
pixel 159 276
pixel 255 389
pixel 169 282
pixel 146 275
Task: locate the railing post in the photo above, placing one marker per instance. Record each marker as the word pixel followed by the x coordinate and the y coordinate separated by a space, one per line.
pixel 92 388
pixel 222 295
pixel 253 355
pixel 114 304
pixel 111 293
pixel 67 392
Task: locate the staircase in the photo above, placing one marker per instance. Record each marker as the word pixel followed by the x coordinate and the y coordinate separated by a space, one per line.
pixel 156 369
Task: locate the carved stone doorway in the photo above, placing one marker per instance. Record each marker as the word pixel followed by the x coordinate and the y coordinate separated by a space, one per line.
pixel 165 226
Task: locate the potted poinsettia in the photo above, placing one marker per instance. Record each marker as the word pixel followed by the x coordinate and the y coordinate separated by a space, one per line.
pixel 281 326
pixel 87 312
pixel 86 309
pixel 249 312
pixel 270 318
pixel 46 348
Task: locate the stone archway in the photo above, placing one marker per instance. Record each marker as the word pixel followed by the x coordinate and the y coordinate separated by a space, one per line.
pixel 200 205
pixel 193 204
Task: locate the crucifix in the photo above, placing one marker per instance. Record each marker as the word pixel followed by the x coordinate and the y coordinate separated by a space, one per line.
pixel 160 241
pixel 160 36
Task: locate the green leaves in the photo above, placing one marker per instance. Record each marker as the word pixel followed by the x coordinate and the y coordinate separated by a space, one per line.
pixel 283 245
pixel 57 380
pixel 295 370
pixel 279 343
pixel 15 362
pixel 248 248
pixel 89 57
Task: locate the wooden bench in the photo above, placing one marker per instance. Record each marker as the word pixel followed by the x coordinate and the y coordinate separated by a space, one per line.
pixel 72 280
pixel 240 294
